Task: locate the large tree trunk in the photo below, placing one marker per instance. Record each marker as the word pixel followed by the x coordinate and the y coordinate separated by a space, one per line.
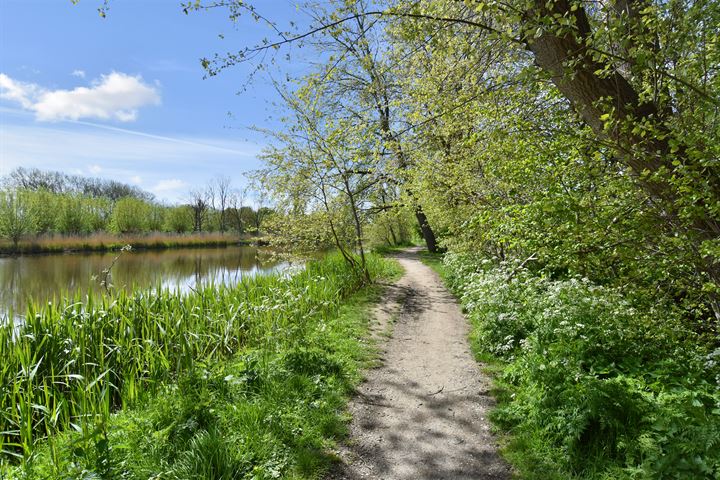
pixel 568 60
pixel 427 232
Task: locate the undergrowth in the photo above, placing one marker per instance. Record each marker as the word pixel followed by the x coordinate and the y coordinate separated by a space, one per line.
pixel 591 384
pixel 227 383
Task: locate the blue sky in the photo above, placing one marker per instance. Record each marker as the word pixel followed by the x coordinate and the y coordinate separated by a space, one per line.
pixel 124 97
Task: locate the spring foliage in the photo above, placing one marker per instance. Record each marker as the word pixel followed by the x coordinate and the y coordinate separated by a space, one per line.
pixel 594 383
pixel 577 141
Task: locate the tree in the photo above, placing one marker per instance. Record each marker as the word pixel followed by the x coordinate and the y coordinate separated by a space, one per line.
pixel 236 203
pixel 44 207
pixel 262 210
pixel 248 216
pixel 300 233
pixel 365 77
pixel 58 182
pixel 72 218
pixel 634 102
pixel 155 217
pixel 323 162
pixel 179 219
pixel 221 192
pixel 16 219
pixel 130 215
pixel 199 205
pixel 98 213
pixel 634 80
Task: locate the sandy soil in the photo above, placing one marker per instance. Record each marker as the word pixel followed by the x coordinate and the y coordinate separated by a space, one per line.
pixel 423 413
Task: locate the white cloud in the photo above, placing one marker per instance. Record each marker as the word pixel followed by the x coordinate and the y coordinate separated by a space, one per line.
pixel 78 73
pixel 136 179
pixel 20 92
pixel 115 96
pixel 164 187
pixel 95 169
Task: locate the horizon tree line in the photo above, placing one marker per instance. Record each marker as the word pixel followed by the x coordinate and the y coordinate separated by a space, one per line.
pixel 47 203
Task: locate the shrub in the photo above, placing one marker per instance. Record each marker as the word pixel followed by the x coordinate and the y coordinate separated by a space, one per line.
pixel 604 386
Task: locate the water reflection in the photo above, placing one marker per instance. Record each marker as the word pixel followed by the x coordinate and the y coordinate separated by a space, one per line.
pixel 43 277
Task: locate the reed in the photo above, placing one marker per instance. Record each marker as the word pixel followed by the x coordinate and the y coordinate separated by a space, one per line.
pixel 105 241
pixel 69 366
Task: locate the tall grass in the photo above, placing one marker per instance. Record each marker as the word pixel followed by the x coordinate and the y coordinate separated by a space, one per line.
pixel 70 366
pixel 105 241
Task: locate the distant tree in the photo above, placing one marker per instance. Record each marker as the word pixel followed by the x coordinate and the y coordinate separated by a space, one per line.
pixel 199 205
pixel 248 217
pixel 236 203
pixel 97 211
pixel 35 179
pixel 262 211
pixel 130 215
pixel 179 219
pixel 58 182
pixel 16 219
pixel 155 217
pixel 71 218
pixel 210 198
pixel 220 186
pixel 44 206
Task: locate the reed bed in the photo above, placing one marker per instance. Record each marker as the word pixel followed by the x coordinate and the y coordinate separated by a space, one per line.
pixel 71 365
pixel 105 241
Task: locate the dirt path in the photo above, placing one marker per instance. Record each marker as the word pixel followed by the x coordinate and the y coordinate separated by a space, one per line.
pixel 423 413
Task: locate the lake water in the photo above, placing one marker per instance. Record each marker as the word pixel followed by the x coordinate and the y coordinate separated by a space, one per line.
pixel 43 278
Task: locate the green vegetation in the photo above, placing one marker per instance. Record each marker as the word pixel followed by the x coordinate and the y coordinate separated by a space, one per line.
pixel 592 383
pixel 565 154
pixel 242 382
pixel 50 211
pixel 99 242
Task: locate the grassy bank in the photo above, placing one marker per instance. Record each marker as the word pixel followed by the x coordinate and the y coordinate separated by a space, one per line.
pixel 105 242
pixel 591 384
pixel 244 382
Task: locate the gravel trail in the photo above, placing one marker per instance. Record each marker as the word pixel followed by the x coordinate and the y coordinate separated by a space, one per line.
pixel 422 414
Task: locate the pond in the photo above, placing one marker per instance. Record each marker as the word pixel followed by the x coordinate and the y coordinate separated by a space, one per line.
pixel 43 278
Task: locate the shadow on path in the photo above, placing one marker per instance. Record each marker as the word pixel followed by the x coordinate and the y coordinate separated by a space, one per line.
pixel 423 413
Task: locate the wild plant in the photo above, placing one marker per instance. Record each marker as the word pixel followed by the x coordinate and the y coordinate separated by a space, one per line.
pixel 70 365
pixel 595 383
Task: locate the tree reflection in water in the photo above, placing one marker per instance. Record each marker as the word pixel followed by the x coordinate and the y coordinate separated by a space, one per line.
pixel 44 278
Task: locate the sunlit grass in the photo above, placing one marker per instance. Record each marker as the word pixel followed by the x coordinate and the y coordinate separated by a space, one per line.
pixel 69 367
